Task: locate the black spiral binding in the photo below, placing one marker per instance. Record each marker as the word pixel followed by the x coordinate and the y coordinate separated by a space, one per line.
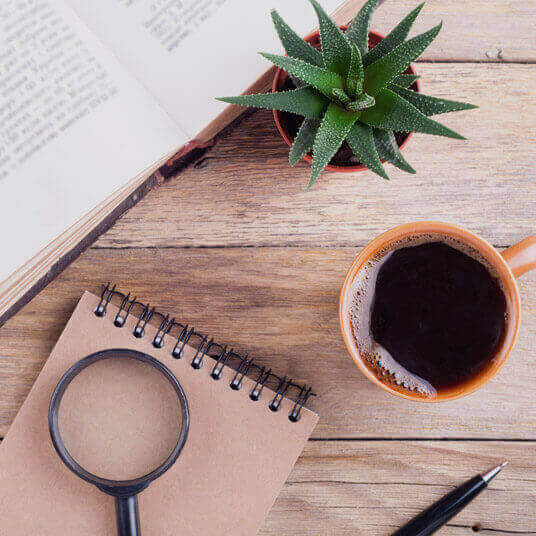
pixel 184 334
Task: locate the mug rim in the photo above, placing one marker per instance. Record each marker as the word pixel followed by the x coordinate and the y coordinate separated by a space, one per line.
pixel 489 252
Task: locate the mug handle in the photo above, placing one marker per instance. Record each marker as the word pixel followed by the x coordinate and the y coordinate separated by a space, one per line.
pixel 521 257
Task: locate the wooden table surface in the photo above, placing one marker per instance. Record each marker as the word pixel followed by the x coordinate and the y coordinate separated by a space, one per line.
pixel 236 246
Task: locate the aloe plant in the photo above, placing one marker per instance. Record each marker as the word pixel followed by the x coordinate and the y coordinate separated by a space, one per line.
pixel 348 92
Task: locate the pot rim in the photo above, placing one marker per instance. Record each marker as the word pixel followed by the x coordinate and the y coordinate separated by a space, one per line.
pixel 280 78
pixel 489 252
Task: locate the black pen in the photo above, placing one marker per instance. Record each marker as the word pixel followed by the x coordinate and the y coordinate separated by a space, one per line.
pixel 447 507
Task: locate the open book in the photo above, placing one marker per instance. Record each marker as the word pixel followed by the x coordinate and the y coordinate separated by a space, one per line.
pixel 95 96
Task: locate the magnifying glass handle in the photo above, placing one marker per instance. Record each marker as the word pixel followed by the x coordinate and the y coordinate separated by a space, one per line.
pixel 128 519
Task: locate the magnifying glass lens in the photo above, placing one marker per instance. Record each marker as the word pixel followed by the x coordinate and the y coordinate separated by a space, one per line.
pixel 120 419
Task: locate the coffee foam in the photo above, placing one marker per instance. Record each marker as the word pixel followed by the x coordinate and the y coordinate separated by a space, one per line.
pixel 377 358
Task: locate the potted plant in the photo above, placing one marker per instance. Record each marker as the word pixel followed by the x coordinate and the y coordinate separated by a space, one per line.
pixel 356 91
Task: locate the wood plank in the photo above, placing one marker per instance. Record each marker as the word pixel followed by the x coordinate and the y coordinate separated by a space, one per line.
pixel 501 30
pixel 245 193
pixel 372 488
pixel 280 305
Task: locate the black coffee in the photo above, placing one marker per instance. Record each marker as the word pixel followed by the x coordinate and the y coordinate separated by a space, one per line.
pixel 436 317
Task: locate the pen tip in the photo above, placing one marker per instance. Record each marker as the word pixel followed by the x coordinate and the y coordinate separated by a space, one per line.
pixel 494 472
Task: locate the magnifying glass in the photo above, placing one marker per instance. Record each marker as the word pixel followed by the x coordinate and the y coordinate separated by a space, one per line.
pixel 119 419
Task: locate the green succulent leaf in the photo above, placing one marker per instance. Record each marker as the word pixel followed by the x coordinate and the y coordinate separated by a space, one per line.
pixel 431 105
pixel 293 44
pixel 303 143
pixel 362 103
pixel 341 96
pixel 395 38
pixel 346 91
pixel 303 101
pixel 383 71
pixel 392 112
pixel 405 80
pixel 387 148
pixel 361 141
pixel 358 30
pixel 336 49
pixel 331 133
pixel 354 80
pixel 322 79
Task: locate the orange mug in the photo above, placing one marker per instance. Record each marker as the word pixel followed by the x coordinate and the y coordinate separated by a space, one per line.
pixel 510 264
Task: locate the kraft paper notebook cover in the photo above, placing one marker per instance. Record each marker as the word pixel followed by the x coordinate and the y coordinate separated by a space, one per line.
pixel 238 454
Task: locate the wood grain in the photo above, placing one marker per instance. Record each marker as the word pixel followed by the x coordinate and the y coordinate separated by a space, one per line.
pixel 372 488
pixel 280 305
pixel 502 30
pixel 245 193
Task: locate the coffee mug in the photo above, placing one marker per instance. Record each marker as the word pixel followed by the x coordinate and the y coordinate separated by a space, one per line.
pixel 507 266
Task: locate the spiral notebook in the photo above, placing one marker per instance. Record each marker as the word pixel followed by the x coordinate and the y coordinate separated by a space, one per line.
pixel 248 427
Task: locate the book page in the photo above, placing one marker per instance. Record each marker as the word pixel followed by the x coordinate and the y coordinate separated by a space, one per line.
pixel 187 52
pixel 74 126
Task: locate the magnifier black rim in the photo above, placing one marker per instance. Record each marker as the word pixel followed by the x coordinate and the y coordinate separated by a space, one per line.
pixel 112 485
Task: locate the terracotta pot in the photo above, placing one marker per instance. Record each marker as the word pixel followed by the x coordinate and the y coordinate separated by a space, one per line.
pixel 510 264
pixel 281 78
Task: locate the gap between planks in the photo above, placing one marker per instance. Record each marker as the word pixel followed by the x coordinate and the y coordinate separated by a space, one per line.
pixel 423 439
pixel 478 62
pixel 250 246
pixel 413 439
